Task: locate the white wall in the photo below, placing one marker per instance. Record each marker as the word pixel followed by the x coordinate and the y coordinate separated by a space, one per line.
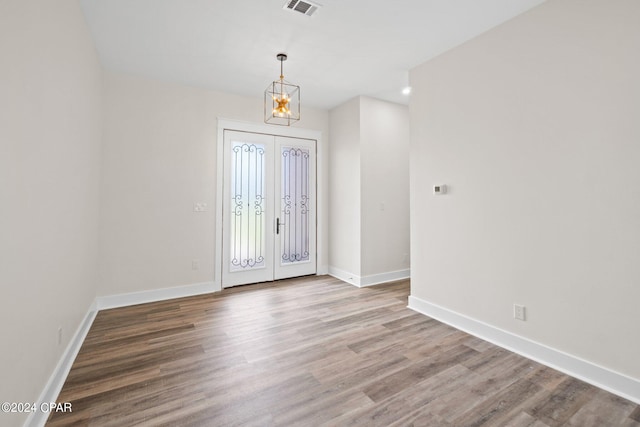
pixel 50 125
pixel 384 139
pixel 534 126
pixel 159 159
pixel 344 187
pixel 369 191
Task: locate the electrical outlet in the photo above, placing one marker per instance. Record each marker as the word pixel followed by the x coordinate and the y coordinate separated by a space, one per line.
pixel 59 336
pixel 195 264
pixel 199 207
pixel 519 312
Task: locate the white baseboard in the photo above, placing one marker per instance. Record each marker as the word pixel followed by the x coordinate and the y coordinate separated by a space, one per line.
pixel 374 279
pixel 345 276
pixel 322 270
pixel 56 380
pixel 124 300
pixel 391 276
pixel 614 382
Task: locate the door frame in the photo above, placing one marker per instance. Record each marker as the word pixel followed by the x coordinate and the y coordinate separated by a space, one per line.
pixel 242 126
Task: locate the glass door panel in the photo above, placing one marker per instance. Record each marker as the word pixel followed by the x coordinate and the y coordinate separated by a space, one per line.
pixel 296 217
pixel 247 206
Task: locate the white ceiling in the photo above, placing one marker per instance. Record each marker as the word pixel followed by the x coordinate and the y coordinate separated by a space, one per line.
pixel 348 48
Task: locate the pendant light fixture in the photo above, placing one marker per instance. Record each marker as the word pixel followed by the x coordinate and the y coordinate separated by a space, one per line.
pixel 282 100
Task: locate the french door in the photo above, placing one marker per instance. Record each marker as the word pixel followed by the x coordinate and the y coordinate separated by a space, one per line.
pixel 269 208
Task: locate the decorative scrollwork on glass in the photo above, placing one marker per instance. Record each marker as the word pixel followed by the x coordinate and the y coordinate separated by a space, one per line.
pixel 294 204
pixel 247 239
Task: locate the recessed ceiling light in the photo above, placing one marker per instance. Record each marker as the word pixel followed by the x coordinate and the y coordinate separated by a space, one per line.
pixel 406 90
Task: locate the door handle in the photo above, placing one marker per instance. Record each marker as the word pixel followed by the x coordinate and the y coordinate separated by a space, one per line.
pixel 278 224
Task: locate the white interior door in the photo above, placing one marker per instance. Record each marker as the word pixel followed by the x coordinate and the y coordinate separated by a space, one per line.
pixel 269 220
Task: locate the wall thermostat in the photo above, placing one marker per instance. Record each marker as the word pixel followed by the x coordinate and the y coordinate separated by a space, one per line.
pixel 439 189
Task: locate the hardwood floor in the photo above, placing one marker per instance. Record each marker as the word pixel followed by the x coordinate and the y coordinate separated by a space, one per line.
pixel 308 352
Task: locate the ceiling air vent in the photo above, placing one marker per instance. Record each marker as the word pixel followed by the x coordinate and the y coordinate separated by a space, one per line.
pixel 303 6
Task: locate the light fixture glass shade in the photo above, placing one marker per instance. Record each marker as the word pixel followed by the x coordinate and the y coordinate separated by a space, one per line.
pixel 282 103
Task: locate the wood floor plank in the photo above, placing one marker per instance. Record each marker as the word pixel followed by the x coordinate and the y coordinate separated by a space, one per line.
pixel 416 372
pixel 313 351
pixel 603 409
pixel 522 419
pixel 570 395
pixel 500 406
pixel 410 399
pixel 480 387
pixel 546 377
